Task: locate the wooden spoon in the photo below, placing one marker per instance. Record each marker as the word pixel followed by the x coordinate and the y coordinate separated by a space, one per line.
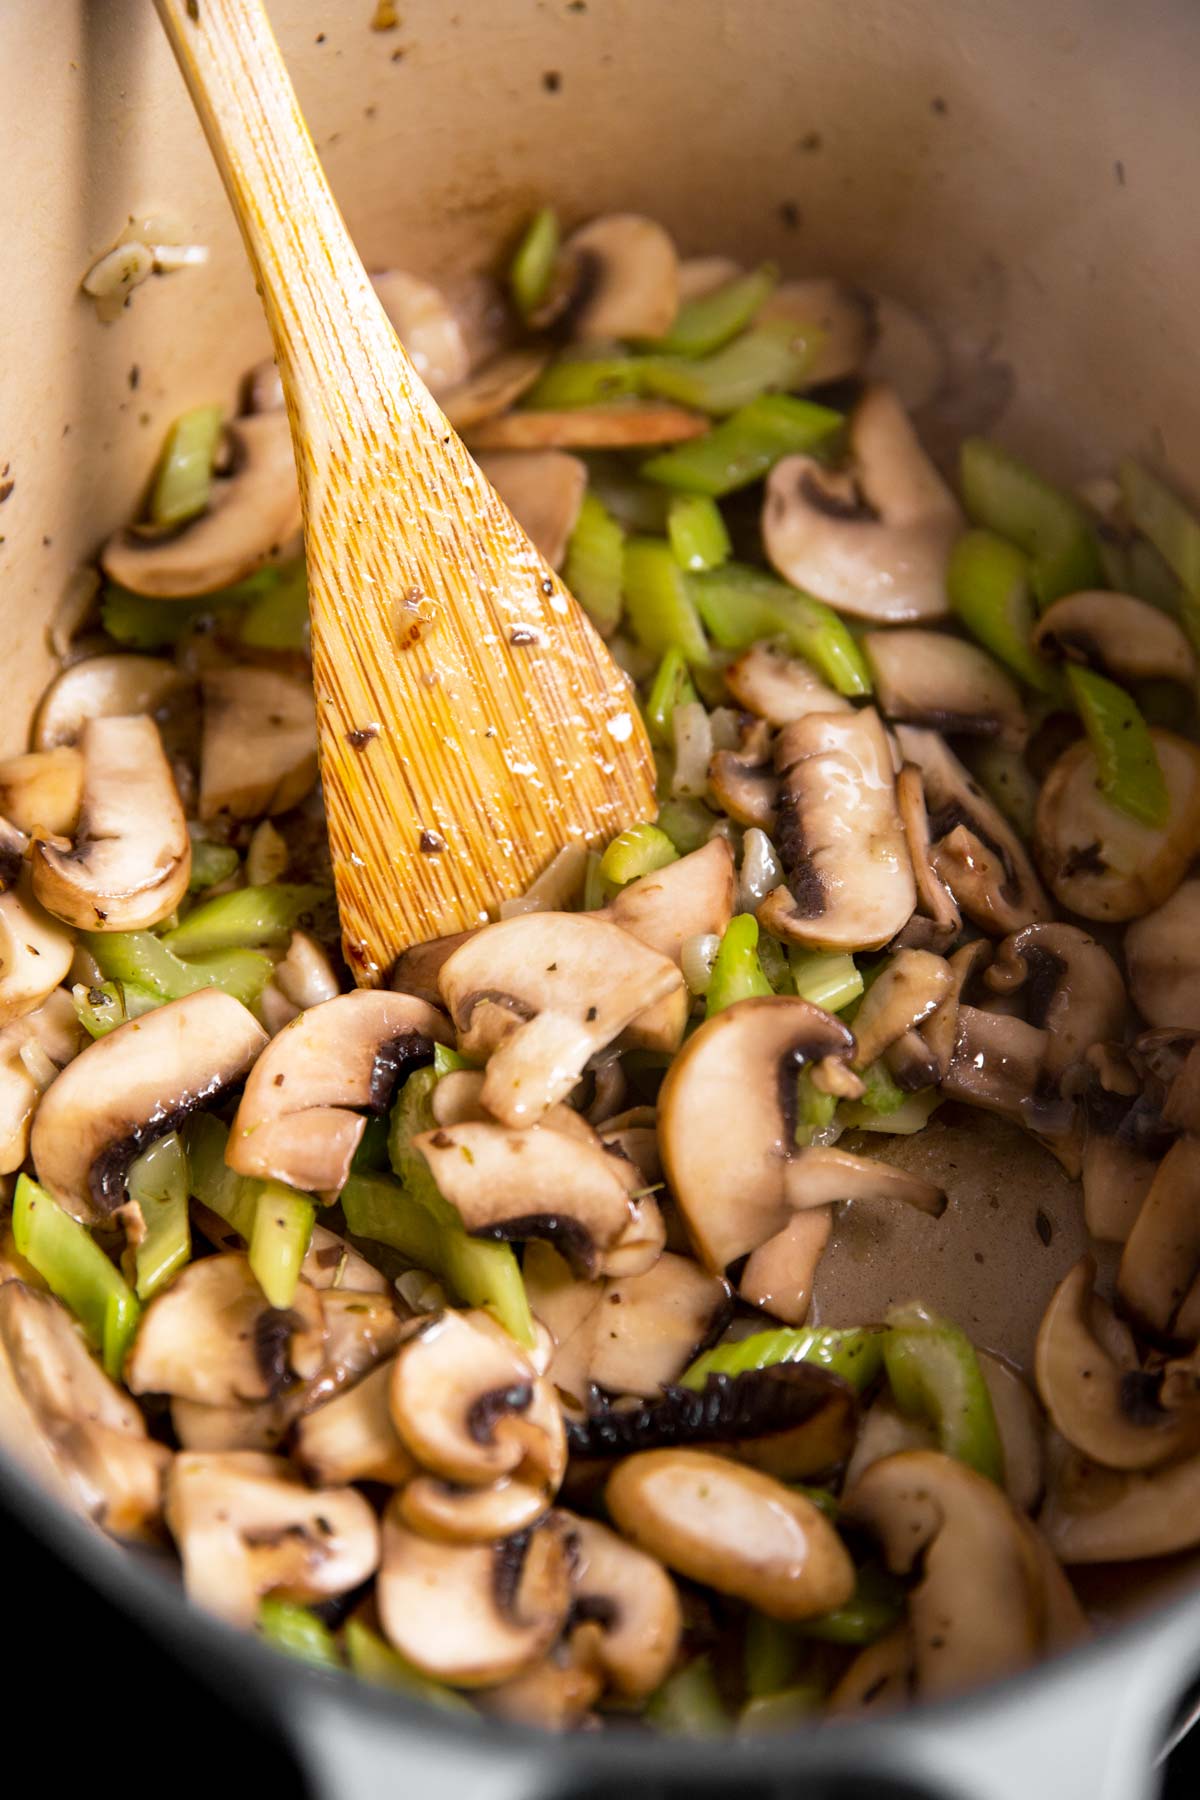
pixel 471 722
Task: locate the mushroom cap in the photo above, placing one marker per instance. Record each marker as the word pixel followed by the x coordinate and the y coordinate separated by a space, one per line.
pixel 258 753
pixel 909 990
pixel 35 953
pixel 1162 956
pixel 626 1618
pixel 130 862
pixel 947 683
pixel 115 686
pixel 245 1525
pixel 849 879
pixel 253 512
pixel 132 1086
pixel 690 896
pixel 1161 1259
pixel 744 788
pixel 473 1614
pixel 1097 1515
pixel 1071 986
pixel 624 278
pixel 779 688
pixel 295 1121
pixel 543 490
pixel 780 1275
pixel 733 1529
pixel 471 1515
pixel 541 993
pixel 648 1327
pixel 1098 861
pixel 874 542
pixel 352 1437
pixel 31 1049
pixel 997 1064
pixel 1126 637
pixel 427 326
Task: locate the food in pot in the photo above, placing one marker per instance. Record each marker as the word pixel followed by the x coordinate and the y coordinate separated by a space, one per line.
pixel 469 1332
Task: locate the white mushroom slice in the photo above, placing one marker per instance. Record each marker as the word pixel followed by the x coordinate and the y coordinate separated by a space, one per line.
pixel 471 1515
pixel 1098 861
pixel 780 1275
pixel 1161 1260
pixel 35 953
pixel 131 858
pixel 295 1121
pixel 938 921
pixel 733 1529
pixel 1093 1388
pixel 32 1051
pixel 842 319
pixel 1116 1179
pixel 330 1262
pixel 873 541
pixel 1128 638
pixel 911 987
pixel 626 1620
pixel 59 1407
pixel 427 326
pixel 930 678
pixel 102 687
pixel 649 1327
pixel 1021 1425
pixel 1098 1515
pixel 40 792
pixel 744 787
pixel 259 749
pixel 997 1063
pixel 247 1526
pixel 779 688
pixel 621 278
pixel 352 1437
pixel 569 1309
pixel 1071 987
pixel 849 880
pixel 541 994
pixel 473 1614
pixel 1162 955
pixel 213 1336
pixel 492 389
pixel 623 425
pixel 879 1679
pixel 253 512
pixel 824 1175
pixel 303 977
pixel 688 897
pixel 135 1085
pixel 543 490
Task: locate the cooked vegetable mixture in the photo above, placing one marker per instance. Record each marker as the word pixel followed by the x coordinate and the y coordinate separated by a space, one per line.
pixel 461 1333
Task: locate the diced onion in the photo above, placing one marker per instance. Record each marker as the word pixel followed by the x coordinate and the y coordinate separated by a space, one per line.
pixel 760 871
pixel 693 750
pixel 556 886
pixel 696 959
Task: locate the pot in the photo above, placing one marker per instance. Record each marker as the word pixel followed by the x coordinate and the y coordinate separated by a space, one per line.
pixel 1016 172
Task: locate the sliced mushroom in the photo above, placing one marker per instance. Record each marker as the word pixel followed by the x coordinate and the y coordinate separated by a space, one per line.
pixel 997 1064
pixel 1161 1260
pixel 259 749
pixel 849 880
pixel 557 1694
pixel 427 326
pixel 910 989
pixel 418 969
pixel 132 1086
pixel 471 1515
pixel 330 1262
pixel 824 1175
pixel 1126 637
pixel 543 490
pixel 253 512
pixel 1162 955
pixel 1071 987
pixel 745 787
pixel 690 896
pixel 568 1308
pixel 619 278
pixel 35 953
pixel 303 977
pixel 131 858
pixel 623 425
pixel 626 1619
pixel 938 921
pixel 40 793
pixel 1116 1178
pixel 1098 1515
pixel 492 389
pixel 32 1051
pixel 1021 1426
pixel 947 683
pixel 246 1525
pixel 1098 861
pixel 649 1327
pixel 295 1122
pixel 474 1614
pixel 779 688
pixel 540 994
pixel 57 1402
pixel 841 318
pixel 102 687
pixel 733 1529
pixel 780 1275
pixel 873 540
pixel 352 1437
pixel 880 1677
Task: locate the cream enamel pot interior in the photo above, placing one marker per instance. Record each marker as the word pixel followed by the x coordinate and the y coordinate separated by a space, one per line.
pixel 1019 172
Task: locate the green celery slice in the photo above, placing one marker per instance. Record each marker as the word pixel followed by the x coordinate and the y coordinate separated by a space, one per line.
pixel 704 324
pixel 107 1004
pixel 689 1704
pixel 697 533
pixel 298 1632
pixel 211 863
pixel 636 852
pixel 658 606
pixel 278 618
pixel 880 1093
pixel 688 823
pixel 827 978
pixel 594 564
pixel 1130 773
pixel 374 1660
pixel 585 378
pixel 739 605
pixel 232 1197
pixel 532 268
pixel 737 973
pixel 814 1108
pixel 771 1656
pixel 767 360
pixel 75 1268
pixel 247 917
pixel 1174 531
pixel 876 1604
pixel 183 483
pixel 1006 778
pixel 158 1182
pixel 784 1710
pixel 854 1352
pixel 146 961
pixel 912 1115
pixel 1004 495
pixel 987 581
pixel 935 1375
pixel 746 446
pixel 672 686
pixel 279 1239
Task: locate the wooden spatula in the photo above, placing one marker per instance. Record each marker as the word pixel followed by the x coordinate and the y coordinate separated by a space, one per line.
pixel 471 722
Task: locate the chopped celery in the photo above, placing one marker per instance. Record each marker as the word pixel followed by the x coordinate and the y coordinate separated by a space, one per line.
pixel 773 957
pixel 1002 494
pixel 688 823
pixel 696 532
pixel 299 1632
pixel 913 1114
pixel 101 1008
pixel 595 890
pixel 1006 778
pixel 822 1498
pixel 278 618
pixel 211 863
pixel 279 1238
pixel 771 1653
pixel 881 1094
pixel 828 978
pixel 249 916
pixel 446 1060
pixel 934 1374
pixel 158 1182
pixel 635 504
pixel 75 1268
pixel 594 564
pixel 740 604
pixel 143 623
pixel 585 379
pixel 372 1152
pixel 737 973
pixel 768 360
pixel 374 1660
pixel 746 446
pixel 149 962
pixel 854 1352
pixel 782 1710
pixel 876 1604
pixel 638 851
pixel 532 268
pixel 689 1702
pixel 1174 531
pixel 671 687
pixel 231 1196
pixel 1130 773
pixel 814 1108
pixel 987 581
pixel 658 606
pixel 704 324
pixel 183 484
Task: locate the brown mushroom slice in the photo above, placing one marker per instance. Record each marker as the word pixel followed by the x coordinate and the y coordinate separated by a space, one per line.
pixel 246 1526
pixel 744 788
pixel 568 1307
pixel 997 1064
pixel 254 510
pixel 418 969
pixel 40 792
pixel 129 864
pixel 132 1086
pixel 939 1033
pixel 1162 956
pixel 824 1174
pixel 212 1336
pixel 626 1619
pixel 557 1694
pixel 474 1614
pixel 1161 1258
pixel 640 1245
pixel 879 1679
pixel 733 1529
pixel 1099 862
pixel 779 688
pixel 691 896
pixel 623 425
pixel 543 490
pixel 100 687
pixel 780 1275
pixel 849 880
pixel 947 683
pixel 303 977
pixel 1098 1515
pixel 873 541
pixel 427 326
pixel 492 389
pixel 472 1515
pixel 841 318
pixel 540 994
pixel 1127 638
pixel 35 953
pixel 258 753
pixel 295 1122
pixel 1092 1387
pixel 649 1327
pixel 909 990
pixel 32 1051
pixel 352 1437
pixel 938 921
pixel 58 1405
pixel 1116 1179
pixel 1071 986
pixel 619 279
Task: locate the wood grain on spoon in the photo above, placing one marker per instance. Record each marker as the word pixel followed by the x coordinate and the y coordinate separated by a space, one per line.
pixel 471 722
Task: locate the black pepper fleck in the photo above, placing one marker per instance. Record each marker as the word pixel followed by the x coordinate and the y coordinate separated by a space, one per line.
pixel 135 375
pixel 1043 1226
pixel 552 81
pixel 431 843
pixel 193 11
pixel 789 212
pixel 938 105
pixel 1119 172
pixel 359 738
